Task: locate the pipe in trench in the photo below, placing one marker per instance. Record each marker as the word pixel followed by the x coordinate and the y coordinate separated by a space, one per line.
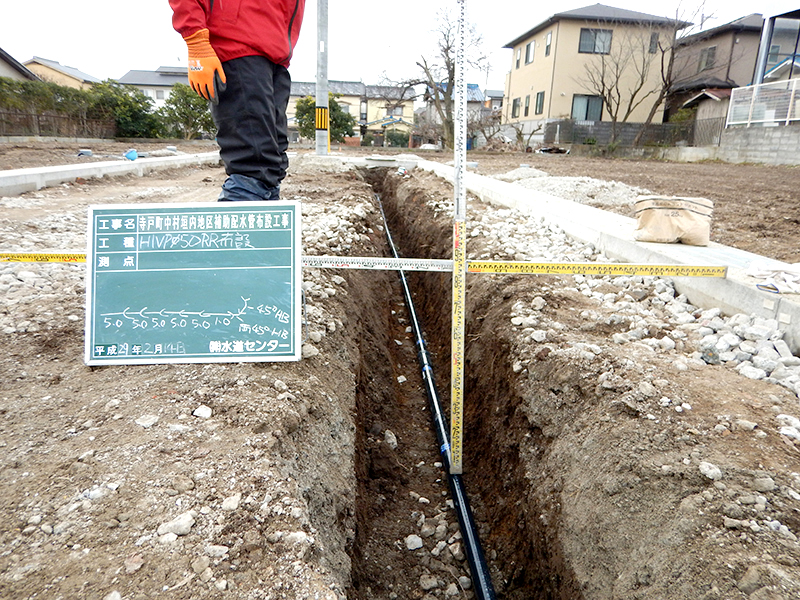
pixel 481 580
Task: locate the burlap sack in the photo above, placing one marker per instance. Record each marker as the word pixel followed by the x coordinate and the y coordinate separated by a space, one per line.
pixel 672 220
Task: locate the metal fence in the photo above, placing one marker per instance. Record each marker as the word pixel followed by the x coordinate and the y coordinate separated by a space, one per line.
pixel 21 123
pixel 767 104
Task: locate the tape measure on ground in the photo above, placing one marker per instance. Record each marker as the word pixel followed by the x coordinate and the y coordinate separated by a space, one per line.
pixel 59 257
pixel 442 265
pixel 375 262
pixel 485 266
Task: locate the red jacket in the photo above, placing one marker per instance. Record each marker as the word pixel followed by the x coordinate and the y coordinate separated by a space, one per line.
pixel 243 27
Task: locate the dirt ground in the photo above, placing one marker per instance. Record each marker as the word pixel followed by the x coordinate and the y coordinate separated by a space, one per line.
pixel 308 478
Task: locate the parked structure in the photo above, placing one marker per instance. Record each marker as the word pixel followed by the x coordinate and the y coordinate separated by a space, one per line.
pixel 13 69
pixel 552 64
pixel 774 99
pixel 55 72
pixel 779 51
pixel 157 84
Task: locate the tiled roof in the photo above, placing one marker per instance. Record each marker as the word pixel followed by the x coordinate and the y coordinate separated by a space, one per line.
pixel 752 23
pixel 70 71
pixel 597 12
pixel 163 77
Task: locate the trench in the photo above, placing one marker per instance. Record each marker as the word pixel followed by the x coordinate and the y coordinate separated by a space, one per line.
pixel 524 555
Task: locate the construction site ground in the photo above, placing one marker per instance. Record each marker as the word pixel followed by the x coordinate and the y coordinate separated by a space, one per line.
pixel 596 470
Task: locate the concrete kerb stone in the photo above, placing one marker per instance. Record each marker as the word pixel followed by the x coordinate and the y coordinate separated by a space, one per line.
pixel 18 181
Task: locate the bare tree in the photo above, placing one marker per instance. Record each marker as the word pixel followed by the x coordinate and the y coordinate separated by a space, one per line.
pixel 439 71
pixel 523 138
pixel 640 68
pixel 624 71
pixel 486 122
pixel 670 70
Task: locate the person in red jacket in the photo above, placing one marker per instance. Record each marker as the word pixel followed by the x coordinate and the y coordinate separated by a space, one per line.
pixel 239 51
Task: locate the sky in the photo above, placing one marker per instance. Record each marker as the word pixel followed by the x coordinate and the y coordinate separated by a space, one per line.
pixel 372 41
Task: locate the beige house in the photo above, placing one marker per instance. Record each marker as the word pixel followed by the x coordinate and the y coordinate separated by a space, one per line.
pixel 54 72
pixel 556 66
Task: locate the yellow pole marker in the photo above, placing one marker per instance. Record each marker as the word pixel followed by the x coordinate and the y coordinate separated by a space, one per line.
pixel 457 348
pixel 60 257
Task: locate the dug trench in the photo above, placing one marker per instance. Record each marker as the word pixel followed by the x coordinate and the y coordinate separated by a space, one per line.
pixel 584 485
pixel 322 479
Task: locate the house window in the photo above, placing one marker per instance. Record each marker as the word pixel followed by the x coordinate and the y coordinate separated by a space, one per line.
pixel 527 105
pixel 587 108
pixel 539 109
pixel 654 42
pixel 394 111
pixel 595 41
pixel 515 108
pixel 547 43
pixel 519 55
pixel 363 112
pixel 159 94
pixel 529 49
pixel 707 56
pixel 774 53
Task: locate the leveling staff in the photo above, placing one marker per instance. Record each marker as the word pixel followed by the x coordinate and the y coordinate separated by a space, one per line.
pixel 239 51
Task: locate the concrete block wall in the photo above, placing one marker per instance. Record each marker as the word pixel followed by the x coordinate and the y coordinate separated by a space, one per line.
pixel 768 145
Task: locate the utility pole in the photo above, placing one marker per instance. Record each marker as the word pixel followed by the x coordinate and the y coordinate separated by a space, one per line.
pixel 322 113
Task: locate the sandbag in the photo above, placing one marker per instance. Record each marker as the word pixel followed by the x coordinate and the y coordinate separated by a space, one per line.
pixel 672 219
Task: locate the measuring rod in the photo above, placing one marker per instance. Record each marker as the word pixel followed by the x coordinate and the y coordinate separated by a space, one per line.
pixel 442 265
pixel 459 284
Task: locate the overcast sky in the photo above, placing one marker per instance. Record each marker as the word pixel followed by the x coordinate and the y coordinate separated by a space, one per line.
pixel 367 38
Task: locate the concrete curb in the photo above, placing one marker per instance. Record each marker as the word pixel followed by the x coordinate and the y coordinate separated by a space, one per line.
pixel 18 181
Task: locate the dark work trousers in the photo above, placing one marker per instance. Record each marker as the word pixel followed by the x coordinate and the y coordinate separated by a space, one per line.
pixel 251 124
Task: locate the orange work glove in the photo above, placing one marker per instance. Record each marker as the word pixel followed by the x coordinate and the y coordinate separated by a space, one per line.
pixel 205 70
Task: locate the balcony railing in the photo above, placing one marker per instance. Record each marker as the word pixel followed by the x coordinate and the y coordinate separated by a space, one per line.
pixel 765 105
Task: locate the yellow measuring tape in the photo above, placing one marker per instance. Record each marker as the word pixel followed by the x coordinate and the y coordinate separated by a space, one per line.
pixel 43 257
pixel 419 264
pixel 486 266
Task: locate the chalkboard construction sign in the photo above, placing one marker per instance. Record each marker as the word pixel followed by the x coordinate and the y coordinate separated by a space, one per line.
pixel 193 283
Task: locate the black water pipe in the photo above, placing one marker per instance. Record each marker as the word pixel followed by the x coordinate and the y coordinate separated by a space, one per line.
pixel 481 580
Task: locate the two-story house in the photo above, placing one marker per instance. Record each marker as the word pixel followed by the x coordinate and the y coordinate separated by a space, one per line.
pixel 710 63
pixel 55 72
pixel 556 65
